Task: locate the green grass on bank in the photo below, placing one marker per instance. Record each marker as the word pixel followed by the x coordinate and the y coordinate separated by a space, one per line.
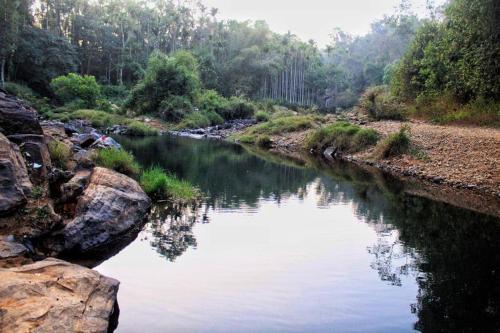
pixel 117 159
pixel 59 153
pixel 395 144
pixel 344 136
pixel 161 185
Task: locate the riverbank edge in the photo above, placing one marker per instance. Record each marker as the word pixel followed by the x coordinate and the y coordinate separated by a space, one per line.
pixel 437 187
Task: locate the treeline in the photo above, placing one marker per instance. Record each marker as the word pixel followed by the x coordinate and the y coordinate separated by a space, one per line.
pixel 452 53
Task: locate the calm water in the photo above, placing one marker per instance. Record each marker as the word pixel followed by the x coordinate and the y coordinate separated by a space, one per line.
pixel 279 247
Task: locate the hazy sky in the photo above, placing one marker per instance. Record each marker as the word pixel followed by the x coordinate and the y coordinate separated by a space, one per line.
pixel 311 19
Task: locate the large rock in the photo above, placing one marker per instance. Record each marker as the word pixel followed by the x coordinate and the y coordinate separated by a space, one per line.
pixel 111 205
pixel 55 296
pixel 16 117
pixel 14 180
pixel 36 154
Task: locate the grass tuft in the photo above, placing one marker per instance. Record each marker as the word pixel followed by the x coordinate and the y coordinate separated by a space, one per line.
pixel 161 185
pixel 118 160
pixel 344 136
pixel 395 144
pixel 59 153
pixel 136 128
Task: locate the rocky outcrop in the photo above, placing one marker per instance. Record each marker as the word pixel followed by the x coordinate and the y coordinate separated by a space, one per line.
pixel 36 154
pixel 14 180
pixel 16 117
pixel 55 296
pixel 111 205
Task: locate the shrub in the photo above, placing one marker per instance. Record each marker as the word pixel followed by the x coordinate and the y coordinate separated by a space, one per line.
pixel 115 94
pixel 200 119
pixel 98 118
pixel 158 184
pixel 41 104
pixel 237 108
pixel 59 153
pixel 72 86
pixel 378 103
pixel 174 108
pixel 344 136
pixel 118 160
pixel 262 116
pixel 283 125
pixel 210 100
pixel 395 144
pixel 263 141
pixel 136 128
pixel 165 76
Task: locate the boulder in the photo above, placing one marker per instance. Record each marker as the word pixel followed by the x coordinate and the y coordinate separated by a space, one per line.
pixel 36 154
pixel 14 181
pixel 55 296
pixel 75 186
pixel 12 253
pixel 111 205
pixel 16 117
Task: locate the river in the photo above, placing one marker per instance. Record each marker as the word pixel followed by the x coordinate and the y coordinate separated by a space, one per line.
pixel 282 246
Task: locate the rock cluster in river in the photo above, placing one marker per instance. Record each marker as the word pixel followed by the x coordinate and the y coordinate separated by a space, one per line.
pixel 69 210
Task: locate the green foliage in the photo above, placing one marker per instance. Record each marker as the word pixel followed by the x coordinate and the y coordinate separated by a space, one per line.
pixel 165 77
pixel 59 153
pixel 136 128
pixel 41 56
pixel 117 159
pixel 379 104
pixel 395 144
pixel 232 108
pixel 160 185
pixel 284 125
pixel 37 192
pixel 200 119
pixel 264 141
pixel 174 108
pixel 115 94
pixel 25 93
pixel 73 86
pixel 445 110
pixel 97 118
pixel 262 116
pixel 344 136
pixel 456 58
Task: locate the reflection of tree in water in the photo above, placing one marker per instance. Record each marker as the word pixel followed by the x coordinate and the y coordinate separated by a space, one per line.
pixel 453 253
pixel 171 231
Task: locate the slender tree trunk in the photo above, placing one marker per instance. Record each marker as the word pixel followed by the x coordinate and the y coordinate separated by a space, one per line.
pixel 2 72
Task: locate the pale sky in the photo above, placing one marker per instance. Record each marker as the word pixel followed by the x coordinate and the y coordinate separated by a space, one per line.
pixel 312 19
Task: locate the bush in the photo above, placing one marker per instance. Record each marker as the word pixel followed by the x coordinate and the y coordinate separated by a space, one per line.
pixel 263 141
pixel 237 108
pixel 97 118
pixel 200 119
pixel 73 86
pixel 118 160
pixel 446 109
pixel 262 116
pixel 59 153
pixel 284 125
pixel 165 77
pixel 378 103
pixel 174 108
pixel 136 128
pixel 210 100
pixel 115 94
pixel 160 185
pixel 344 136
pixel 395 144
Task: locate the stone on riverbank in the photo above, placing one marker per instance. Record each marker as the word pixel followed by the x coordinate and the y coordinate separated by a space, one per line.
pixel 55 296
pixel 111 205
pixel 14 180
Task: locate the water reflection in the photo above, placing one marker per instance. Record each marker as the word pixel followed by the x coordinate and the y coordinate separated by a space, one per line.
pixel 451 254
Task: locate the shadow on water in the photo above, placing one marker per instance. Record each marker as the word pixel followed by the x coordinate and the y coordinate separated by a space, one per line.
pixel 452 253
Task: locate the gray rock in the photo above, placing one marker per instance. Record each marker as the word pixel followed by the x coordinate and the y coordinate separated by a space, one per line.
pixel 16 117
pixel 36 154
pixel 14 181
pixel 111 205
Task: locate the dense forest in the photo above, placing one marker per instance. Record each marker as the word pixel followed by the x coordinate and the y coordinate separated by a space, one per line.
pixel 454 52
